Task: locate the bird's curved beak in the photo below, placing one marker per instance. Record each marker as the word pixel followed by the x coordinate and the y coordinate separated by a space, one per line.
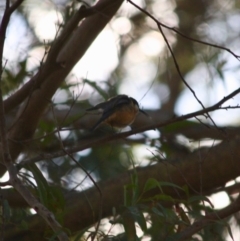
pixel 143 112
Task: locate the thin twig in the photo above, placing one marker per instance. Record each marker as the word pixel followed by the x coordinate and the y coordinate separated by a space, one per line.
pixel 3 27
pixel 174 58
pixel 182 34
pixel 122 135
pixel 87 173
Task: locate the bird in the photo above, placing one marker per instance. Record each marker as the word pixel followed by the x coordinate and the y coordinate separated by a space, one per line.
pixel 119 111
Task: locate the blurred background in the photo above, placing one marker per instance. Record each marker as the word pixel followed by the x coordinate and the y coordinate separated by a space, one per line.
pixel 130 56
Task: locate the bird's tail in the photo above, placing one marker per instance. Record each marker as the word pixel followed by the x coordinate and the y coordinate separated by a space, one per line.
pixel 95 126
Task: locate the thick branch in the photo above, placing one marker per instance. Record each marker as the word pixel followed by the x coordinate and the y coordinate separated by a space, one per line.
pixel 105 8
pixel 106 139
pixel 32 111
pixel 218 165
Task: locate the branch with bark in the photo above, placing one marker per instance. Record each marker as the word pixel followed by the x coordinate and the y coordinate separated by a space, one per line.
pixel 180 172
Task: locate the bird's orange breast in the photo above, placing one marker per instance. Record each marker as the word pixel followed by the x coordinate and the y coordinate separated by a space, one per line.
pixel 122 118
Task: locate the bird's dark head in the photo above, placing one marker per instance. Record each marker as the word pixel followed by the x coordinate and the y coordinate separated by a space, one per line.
pixel 136 105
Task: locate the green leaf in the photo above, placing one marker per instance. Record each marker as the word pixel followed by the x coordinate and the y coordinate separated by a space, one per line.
pixel 6 210
pixel 151 183
pixel 57 199
pixel 138 217
pixel 229 231
pixel 163 197
pixel 200 198
pixel 131 191
pixel 158 212
pixel 169 184
pixel 42 185
pixel 135 187
pixel 50 196
pixel 129 226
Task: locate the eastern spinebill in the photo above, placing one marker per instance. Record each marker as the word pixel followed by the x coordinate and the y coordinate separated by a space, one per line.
pixel 119 111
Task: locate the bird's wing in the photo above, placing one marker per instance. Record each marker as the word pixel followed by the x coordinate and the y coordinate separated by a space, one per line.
pixel 109 108
pixel 110 103
pixel 104 116
pixel 116 102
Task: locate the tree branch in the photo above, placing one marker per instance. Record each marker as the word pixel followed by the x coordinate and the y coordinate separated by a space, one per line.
pixel 224 158
pixel 40 97
pixel 6 157
pixel 215 216
pixel 102 8
pixel 3 27
pixel 106 139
